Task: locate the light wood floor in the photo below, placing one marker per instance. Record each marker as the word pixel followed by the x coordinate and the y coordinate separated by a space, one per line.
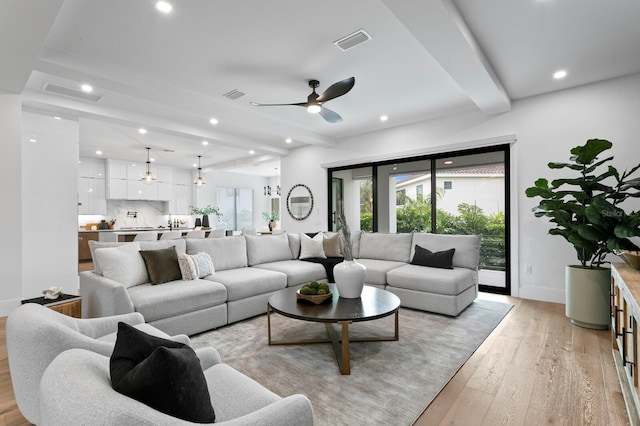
pixel 535 368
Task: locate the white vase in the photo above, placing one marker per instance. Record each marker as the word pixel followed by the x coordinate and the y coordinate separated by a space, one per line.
pixel 349 277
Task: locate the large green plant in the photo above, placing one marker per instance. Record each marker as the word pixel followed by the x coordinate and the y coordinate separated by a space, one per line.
pixel 585 208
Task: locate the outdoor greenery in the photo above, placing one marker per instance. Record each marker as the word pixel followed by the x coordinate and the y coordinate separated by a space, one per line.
pixel 415 215
pixel 585 210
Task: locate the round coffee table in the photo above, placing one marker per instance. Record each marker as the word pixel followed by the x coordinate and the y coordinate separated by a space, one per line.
pixel 374 303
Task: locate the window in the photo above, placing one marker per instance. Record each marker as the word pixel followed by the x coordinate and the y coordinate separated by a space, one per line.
pixel 236 206
pixel 416 194
pixel 401 197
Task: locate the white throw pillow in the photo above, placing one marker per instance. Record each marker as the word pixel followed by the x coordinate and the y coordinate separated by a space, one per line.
pixel 123 264
pixel 194 266
pixel 311 247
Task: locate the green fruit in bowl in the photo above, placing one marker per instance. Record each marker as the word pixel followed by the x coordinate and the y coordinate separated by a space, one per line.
pixel 313 284
pixel 322 291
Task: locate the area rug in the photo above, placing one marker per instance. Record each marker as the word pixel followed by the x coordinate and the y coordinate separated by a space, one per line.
pixel 391 383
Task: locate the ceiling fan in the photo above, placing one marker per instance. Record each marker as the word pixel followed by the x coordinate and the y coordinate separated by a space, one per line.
pixel 315 103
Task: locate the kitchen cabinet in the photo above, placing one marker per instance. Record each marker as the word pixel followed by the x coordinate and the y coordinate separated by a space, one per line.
pixel 138 190
pixel 84 253
pixel 181 202
pixel 116 169
pixel 625 315
pixel 92 168
pixel 92 196
pixel 165 191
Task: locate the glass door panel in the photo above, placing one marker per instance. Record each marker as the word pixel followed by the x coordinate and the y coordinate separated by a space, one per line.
pixel 471 200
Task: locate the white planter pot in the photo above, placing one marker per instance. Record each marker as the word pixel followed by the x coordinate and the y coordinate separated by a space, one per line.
pixel 349 276
pixel 588 297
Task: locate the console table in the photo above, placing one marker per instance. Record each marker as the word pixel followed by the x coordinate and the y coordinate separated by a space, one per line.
pixel 625 317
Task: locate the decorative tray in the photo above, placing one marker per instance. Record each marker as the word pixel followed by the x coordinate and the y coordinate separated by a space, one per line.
pixel 314 298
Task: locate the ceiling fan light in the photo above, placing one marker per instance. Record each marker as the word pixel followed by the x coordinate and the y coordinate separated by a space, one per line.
pixel 314 108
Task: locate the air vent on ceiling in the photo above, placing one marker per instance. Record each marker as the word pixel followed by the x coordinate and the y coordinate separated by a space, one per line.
pixel 352 40
pixel 168 150
pixel 234 94
pixel 60 90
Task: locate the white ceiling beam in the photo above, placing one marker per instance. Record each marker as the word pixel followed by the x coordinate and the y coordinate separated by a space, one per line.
pixel 439 27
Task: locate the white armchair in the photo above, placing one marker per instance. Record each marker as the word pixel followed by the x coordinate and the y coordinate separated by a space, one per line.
pixel 37 334
pixel 76 390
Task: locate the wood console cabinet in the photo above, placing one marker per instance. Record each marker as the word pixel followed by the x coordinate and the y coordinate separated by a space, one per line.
pixel 625 316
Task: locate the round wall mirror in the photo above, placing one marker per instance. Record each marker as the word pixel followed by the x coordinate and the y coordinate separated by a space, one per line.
pixel 300 202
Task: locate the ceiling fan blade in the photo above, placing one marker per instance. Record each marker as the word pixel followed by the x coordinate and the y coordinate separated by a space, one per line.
pixel 304 104
pixel 337 89
pixel 330 116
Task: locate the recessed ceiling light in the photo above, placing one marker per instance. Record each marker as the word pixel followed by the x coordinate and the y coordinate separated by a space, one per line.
pixel 252 152
pixel 205 143
pixel 164 7
pixel 152 159
pixel 195 165
pixel 383 118
pixel 288 140
pixel 57 118
pixel 86 88
pixel 142 131
pixel 99 152
pixel 33 140
pixel 447 162
pixel 213 121
pixel 133 164
pixel 559 74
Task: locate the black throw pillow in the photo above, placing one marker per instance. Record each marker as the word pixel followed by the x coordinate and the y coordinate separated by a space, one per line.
pixel 440 259
pixel 163 374
pixel 162 265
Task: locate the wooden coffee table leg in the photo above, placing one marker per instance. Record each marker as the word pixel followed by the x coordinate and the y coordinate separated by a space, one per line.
pixel 344 343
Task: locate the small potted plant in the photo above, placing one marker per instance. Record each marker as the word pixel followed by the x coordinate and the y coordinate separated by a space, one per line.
pixel 205 212
pixel 585 210
pixel 271 219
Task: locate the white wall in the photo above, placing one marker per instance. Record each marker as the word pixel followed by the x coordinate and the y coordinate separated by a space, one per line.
pixel 50 206
pixel 546 128
pixel 11 211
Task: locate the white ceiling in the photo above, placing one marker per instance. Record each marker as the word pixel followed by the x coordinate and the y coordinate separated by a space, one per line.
pixel 167 73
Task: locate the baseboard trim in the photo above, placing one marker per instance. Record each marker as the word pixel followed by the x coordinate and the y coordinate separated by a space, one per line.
pixel 543 294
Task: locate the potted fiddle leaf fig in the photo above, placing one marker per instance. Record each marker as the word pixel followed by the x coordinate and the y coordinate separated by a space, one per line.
pixel 585 209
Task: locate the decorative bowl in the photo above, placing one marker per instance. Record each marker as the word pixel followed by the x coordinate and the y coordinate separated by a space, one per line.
pixel 631 258
pixel 314 298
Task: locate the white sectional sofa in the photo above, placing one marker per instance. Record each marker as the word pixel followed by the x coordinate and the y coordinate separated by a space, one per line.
pixel 248 269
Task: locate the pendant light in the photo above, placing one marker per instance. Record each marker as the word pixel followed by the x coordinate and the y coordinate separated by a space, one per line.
pixel 199 181
pixel 148 177
pixel 267 189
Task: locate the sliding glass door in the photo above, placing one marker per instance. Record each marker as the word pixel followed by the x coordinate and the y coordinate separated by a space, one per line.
pixel 450 193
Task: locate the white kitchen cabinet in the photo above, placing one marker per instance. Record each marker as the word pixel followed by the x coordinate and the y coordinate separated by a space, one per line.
pixel 117 189
pixel 138 190
pixel 135 171
pixel 116 169
pixel 163 173
pixel 165 191
pixel 92 168
pixel 182 177
pixel 92 196
pixel 181 203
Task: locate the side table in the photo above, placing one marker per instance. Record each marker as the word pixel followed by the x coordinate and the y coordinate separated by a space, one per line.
pixel 67 304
